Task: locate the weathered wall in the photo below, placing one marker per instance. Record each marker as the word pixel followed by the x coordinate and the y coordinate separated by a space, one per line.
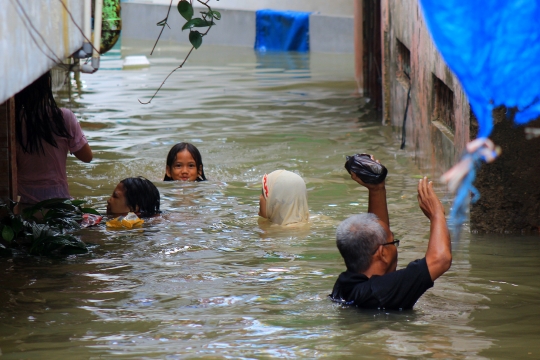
pixel 434 145
pixel 34 35
pixel 323 7
pixel 439 125
pixel 328 33
pixel 510 186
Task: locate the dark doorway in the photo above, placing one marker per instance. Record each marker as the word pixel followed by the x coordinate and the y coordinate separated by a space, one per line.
pixel 372 52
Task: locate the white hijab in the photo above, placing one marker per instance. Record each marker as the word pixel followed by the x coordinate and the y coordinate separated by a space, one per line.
pixel 286 197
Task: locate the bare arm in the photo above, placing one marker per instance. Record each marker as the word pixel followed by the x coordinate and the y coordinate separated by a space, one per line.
pixel 439 251
pixel 84 154
pixel 377 199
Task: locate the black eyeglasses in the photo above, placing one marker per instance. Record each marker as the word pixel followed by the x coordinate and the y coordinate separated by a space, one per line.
pixel 395 242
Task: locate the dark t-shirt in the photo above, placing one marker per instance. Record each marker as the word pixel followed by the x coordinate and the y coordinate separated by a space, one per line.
pixel 396 290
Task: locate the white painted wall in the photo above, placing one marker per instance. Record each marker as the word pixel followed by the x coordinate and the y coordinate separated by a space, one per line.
pixel 31 44
pixel 327 33
pixel 324 7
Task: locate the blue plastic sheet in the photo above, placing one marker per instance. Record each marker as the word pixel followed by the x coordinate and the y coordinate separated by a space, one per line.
pixel 493 47
pixel 282 30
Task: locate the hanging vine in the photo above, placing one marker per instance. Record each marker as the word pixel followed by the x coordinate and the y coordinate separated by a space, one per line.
pixel 185 8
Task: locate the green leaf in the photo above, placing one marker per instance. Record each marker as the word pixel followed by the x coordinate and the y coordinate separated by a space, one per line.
pixel 215 14
pixel 162 22
pixel 195 38
pixel 90 211
pixel 212 14
pixel 45 204
pixel 185 9
pixel 48 203
pixel 77 202
pixel 41 231
pixel 64 206
pixel 7 233
pixel 59 244
pixel 52 214
pixel 197 22
pixel 29 212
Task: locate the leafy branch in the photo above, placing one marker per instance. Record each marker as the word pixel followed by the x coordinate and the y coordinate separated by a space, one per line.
pixel 45 227
pixel 185 8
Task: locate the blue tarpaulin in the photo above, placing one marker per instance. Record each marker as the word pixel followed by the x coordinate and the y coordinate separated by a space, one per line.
pixel 282 30
pixel 493 47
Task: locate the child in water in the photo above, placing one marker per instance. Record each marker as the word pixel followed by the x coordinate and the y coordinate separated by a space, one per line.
pixel 136 194
pixel 184 163
pixel 284 198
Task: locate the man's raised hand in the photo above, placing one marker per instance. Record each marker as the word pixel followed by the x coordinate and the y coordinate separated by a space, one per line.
pixel 427 199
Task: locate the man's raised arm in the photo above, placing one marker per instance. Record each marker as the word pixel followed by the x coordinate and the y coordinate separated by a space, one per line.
pixel 377 199
pixel 439 251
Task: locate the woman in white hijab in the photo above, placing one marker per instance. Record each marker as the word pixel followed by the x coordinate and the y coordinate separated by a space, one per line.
pixel 284 198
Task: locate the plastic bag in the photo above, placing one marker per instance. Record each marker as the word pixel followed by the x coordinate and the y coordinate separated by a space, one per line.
pixel 368 170
pixel 129 221
pixel 90 220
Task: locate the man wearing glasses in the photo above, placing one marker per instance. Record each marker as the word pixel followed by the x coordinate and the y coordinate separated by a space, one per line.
pixel 370 252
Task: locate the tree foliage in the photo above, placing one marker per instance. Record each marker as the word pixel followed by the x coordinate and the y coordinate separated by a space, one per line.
pixel 44 228
pixel 206 20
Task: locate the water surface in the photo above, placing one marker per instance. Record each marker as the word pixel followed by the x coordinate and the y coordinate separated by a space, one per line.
pixel 206 280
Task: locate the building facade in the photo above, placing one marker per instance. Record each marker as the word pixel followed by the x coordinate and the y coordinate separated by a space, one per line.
pixel 422 99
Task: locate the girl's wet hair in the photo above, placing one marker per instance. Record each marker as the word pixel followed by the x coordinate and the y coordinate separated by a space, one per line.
pixel 171 157
pixel 37 116
pixel 141 193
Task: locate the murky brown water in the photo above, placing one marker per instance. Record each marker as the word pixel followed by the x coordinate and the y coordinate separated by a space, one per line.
pixel 206 280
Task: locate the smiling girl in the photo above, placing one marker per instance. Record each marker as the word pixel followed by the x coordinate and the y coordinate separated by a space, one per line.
pixel 184 163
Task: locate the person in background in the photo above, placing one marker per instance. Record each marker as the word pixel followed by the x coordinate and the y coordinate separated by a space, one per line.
pixel 184 163
pixel 369 250
pixel 284 198
pixel 45 134
pixel 135 194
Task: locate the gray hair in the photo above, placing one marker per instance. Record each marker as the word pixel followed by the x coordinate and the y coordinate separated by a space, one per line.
pixel 357 237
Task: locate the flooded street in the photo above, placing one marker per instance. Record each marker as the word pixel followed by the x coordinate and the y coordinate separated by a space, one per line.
pixel 206 279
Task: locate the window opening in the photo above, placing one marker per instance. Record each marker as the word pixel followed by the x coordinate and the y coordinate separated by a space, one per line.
pixel 443 104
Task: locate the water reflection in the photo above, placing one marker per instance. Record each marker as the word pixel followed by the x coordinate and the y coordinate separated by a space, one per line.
pixel 284 61
pixel 207 279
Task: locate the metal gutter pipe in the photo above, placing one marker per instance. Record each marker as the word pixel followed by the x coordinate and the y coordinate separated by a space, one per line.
pixel 87 27
pixel 87 48
pixel 98 16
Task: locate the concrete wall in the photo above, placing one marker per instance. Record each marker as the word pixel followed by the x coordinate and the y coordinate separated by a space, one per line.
pixel 434 146
pixel 331 34
pixel 34 35
pixel 236 27
pixel 328 33
pixel 323 7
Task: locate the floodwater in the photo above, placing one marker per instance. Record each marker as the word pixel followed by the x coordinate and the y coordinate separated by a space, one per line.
pixel 206 280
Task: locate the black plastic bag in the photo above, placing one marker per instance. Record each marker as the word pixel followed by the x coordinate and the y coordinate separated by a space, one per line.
pixel 368 170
